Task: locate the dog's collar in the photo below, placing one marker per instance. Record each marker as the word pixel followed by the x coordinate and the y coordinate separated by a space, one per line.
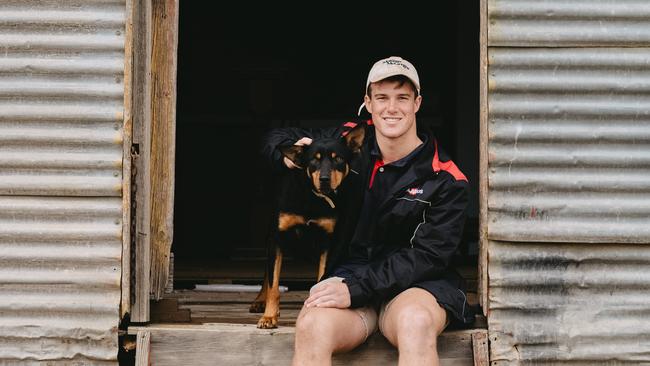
pixel 329 200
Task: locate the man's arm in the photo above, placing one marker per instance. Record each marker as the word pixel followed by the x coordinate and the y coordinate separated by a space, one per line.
pixel 287 136
pixel 434 243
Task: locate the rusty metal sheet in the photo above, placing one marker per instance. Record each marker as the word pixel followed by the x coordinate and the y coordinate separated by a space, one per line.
pixel 61 137
pixel 561 23
pixel 569 145
pixel 569 304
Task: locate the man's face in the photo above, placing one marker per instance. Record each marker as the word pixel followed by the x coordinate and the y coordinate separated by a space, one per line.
pixel 393 109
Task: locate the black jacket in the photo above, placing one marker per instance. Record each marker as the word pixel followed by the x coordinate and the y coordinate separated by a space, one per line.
pixel 418 228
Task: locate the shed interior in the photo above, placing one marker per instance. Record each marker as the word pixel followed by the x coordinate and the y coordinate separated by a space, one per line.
pixel 240 75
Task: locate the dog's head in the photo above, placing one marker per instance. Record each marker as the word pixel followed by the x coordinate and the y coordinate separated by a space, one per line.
pixel 327 160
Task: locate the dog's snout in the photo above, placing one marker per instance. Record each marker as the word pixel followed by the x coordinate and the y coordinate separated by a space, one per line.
pixel 324 178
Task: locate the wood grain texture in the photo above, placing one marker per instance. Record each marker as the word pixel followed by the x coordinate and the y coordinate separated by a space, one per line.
pixel 163 138
pixel 127 131
pixel 140 155
pixel 483 288
pixel 480 349
pixel 143 348
pixel 226 344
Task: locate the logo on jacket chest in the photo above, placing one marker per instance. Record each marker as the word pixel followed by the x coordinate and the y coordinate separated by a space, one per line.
pixel 414 191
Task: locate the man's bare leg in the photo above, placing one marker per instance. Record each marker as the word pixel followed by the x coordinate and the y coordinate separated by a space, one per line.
pixel 320 332
pixel 412 323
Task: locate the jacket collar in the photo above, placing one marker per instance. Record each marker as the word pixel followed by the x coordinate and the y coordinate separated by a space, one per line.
pixel 421 168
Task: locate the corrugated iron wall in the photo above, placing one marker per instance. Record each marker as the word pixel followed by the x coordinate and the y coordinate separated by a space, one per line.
pixel 569 164
pixel 61 116
pixel 569 304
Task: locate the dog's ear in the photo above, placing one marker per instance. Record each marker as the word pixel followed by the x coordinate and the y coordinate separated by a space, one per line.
pixel 293 153
pixel 354 137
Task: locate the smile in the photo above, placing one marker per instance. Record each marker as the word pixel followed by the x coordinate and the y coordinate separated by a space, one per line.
pixel 392 119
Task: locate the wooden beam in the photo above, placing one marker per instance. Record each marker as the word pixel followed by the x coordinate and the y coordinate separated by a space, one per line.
pixel 143 349
pixel 140 149
pixel 483 288
pixel 231 344
pixel 163 139
pixel 127 130
pixel 480 348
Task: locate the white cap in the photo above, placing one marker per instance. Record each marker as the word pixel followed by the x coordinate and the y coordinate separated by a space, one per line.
pixel 392 66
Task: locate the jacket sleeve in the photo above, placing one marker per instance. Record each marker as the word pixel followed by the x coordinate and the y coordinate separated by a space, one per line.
pixel 278 137
pixel 433 245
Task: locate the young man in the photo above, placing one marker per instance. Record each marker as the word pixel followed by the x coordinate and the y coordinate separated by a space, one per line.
pixel 403 222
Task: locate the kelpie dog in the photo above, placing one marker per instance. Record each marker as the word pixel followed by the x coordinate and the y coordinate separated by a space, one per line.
pixel 306 210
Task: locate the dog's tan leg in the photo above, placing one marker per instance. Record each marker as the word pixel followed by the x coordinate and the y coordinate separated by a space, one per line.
pixel 321 265
pixel 272 308
pixel 260 301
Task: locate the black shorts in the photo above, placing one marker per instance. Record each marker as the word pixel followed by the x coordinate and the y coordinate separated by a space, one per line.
pixel 448 290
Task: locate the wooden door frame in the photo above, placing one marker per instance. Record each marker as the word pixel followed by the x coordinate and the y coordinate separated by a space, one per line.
pixel 140 152
pixel 483 285
pixel 150 60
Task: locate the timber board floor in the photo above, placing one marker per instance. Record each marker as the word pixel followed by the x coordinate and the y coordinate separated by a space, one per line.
pixel 232 307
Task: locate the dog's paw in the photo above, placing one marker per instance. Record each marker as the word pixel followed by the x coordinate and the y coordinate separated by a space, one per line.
pixel 257 307
pixel 267 322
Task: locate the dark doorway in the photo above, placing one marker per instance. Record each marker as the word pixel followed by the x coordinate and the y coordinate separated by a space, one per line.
pixel 240 75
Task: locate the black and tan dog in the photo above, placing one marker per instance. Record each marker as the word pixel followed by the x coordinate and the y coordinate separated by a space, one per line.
pixel 306 214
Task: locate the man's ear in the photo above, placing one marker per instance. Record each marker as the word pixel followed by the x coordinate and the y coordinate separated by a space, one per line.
pixel 293 153
pixel 354 137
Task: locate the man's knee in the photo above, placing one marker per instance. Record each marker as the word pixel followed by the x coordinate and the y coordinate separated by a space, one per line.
pixel 312 322
pixel 418 319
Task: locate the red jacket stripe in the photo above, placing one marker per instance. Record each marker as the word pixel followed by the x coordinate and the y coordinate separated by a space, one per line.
pixel 447 166
pixel 378 163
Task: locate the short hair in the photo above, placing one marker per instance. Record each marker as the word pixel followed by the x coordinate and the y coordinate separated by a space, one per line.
pixel 400 79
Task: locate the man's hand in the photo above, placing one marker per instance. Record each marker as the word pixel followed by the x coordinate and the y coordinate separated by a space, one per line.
pixel 302 142
pixel 329 294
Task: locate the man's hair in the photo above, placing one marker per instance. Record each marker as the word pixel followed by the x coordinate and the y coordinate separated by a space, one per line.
pixel 400 79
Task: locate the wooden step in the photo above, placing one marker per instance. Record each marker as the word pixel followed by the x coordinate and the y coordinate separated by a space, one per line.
pixel 244 344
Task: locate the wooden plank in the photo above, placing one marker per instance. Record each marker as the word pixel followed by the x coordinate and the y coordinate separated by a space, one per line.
pixel 224 344
pixel 163 139
pixel 143 348
pixel 188 296
pixel 167 310
pixel 179 316
pixel 480 349
pixel 164 305
pixel 232 307
pixel 140 155
pixel 483 161
pixel 194 296
pixel 125 300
